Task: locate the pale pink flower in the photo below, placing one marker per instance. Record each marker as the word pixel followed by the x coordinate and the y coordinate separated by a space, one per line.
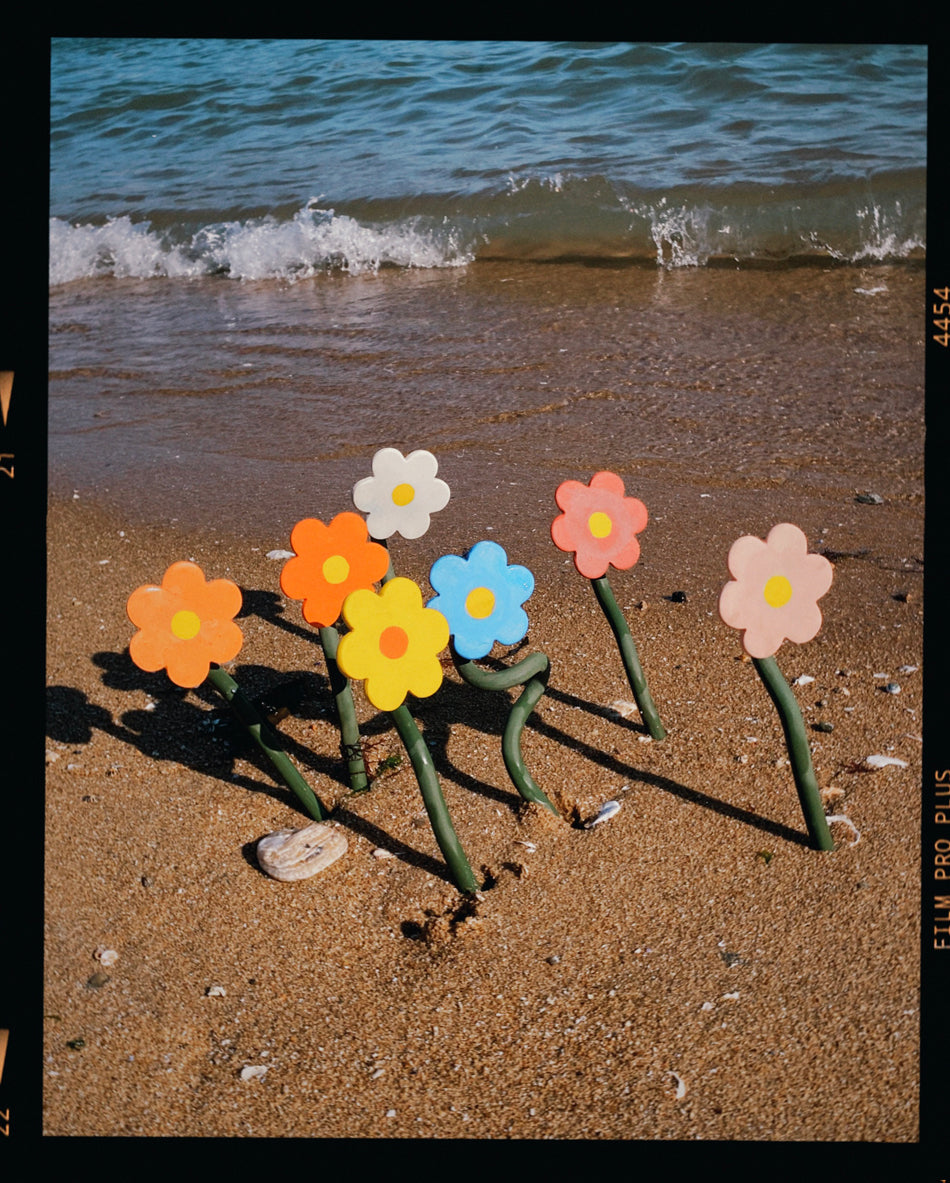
pixel 773 595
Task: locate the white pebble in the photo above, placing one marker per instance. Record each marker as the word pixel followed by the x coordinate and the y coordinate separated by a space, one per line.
pixel 280 554
pixel 254 1072
pixel 215 992
pixel 106 956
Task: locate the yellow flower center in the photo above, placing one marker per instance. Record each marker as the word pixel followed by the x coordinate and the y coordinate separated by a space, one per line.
pixel 335 569
pixel 778 591
pixel 403 494
pixel 599 524
pixel 186 624
pixel 480 602
pixel 393 642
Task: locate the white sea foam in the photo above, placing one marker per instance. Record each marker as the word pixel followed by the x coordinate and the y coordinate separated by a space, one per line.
pixel 314 241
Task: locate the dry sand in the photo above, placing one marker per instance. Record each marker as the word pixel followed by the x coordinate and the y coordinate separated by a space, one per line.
pixel 689 969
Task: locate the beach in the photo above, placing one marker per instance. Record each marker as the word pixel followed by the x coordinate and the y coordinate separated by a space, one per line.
pixel 688 969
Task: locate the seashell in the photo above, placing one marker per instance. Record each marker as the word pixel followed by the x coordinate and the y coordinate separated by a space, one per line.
pixel 884 762
pixel 298 854
pixel 607 810
pixel 280 554
pixel 106 956
pixel 843 817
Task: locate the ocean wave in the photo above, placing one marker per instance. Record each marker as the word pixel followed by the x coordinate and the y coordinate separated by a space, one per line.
pixel 543 219
pixel 313 241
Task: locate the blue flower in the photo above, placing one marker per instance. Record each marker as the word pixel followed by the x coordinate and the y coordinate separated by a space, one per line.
pixel 481 597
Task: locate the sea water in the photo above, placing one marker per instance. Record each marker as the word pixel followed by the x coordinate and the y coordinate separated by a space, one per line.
pixel 285 159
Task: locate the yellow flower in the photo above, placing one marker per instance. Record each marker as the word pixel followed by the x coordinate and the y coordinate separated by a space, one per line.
pixel 393 644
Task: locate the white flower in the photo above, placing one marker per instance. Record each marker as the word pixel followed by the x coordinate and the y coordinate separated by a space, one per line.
pixel 401 494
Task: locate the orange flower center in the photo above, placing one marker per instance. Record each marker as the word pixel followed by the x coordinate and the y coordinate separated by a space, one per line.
pixel 403 494
pixel 778 591
pixel 335 569
pixel 599 524
pixel 186 624
pixel 393 642
pixel 480 602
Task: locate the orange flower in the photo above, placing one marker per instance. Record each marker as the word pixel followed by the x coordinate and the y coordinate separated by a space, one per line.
pixel 185 625
pixel 329 563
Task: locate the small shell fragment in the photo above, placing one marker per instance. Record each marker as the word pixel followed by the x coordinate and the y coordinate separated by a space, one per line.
pixel 884 761
pixel 254 1072
pixel 106 956
pixel 803 680
pixel 843 817
pixel 299 854
pixel 607 810
pixel 280 554
pixel 680 1091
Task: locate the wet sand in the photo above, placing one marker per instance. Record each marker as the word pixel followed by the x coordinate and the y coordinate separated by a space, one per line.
pixel 689 969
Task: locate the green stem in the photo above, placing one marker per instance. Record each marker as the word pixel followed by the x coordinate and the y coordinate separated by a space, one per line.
pixel 628 652
pixel 532 673
pixel 346 713
pixel 266 738
pixel 434 801
pixel 798 750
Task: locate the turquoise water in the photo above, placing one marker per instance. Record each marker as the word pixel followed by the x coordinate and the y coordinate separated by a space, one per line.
pixel 263 159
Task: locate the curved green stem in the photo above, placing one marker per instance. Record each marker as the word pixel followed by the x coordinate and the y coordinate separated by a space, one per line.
pixel 532 672
pixel 266 738
pixel 628 652
pixel 350 746
pixel 798 751
pixel 434 801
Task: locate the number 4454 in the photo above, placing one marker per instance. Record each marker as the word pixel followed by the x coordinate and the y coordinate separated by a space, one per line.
pixel 941 315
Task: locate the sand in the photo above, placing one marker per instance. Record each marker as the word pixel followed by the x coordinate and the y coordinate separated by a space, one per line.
pixel 689 969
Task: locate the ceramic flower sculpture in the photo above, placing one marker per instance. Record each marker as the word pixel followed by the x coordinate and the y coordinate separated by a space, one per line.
pixel 481 597
pixel 773 597
pixel 393 646
pixel 330 561
pixel 599 525
pixel 402 494
pixel 185 626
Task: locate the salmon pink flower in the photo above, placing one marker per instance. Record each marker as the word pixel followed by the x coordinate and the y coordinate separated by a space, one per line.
pixel 394 643
pixel 329 562
pixel 773 595
pixel 402 493
pixel 599 524
pixel 185 624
